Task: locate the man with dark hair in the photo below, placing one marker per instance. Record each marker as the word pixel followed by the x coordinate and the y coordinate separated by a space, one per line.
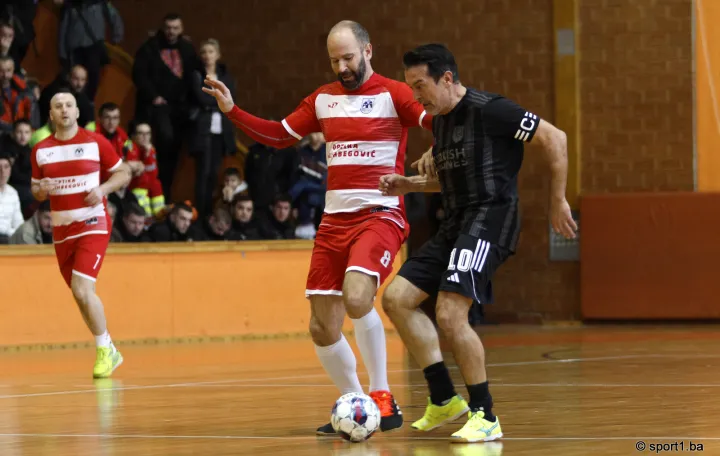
pixel 478 151
pixel 131 225
pixel 366 118
pixel 175 227
pixel 16 101
pixel 215 227
pixel 17 145
pixel 37 229
pixel 244 224
pixel 162 73
pixel 278 224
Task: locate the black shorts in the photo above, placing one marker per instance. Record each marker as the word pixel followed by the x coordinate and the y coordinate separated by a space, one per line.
pixel 464 265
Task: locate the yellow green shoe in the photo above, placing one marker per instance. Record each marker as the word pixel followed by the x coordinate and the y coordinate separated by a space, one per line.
pixel 478 429
pixel 437 415
pixel 108 359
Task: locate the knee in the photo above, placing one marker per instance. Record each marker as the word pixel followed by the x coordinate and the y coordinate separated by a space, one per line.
pixel 358 294
pixel 392 299
pixel 81 292
pixel 323 333
pixel 451 317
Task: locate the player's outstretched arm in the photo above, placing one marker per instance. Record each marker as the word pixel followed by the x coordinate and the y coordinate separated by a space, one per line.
pixel 554 143
pixel 398 185
pixel 266 132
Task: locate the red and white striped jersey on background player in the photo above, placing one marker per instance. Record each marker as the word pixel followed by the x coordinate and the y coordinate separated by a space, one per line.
pixel 75 167
pixel 366 135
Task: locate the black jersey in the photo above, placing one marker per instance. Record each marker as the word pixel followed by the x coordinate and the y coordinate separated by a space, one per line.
pixel 478 152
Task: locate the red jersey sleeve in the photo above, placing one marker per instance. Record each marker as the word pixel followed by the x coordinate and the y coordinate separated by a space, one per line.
pixel 109 159
pixel 303 120
pixel 411 113
pixel 37 173
pixel 132 151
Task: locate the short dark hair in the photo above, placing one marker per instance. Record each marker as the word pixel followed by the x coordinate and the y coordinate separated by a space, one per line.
pixel 221 214
pixel 282 198
pixel 109 106
pixel 231 172
pixel 6 24
pixel 171 17
pixel 240 198
pixel 177 207
pixel 133 208
pixel 437 57
pixel 22 122
pixel 6 58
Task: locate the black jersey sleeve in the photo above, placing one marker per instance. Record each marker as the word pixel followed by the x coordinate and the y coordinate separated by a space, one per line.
pixel 503 117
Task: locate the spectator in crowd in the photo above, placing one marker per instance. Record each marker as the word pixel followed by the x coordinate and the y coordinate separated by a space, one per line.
pixel 268 172
pixel 162 73
pixel 146 186
pixel 131 226
pixel 309 186
pixel 17 145
pixel 244 224
pixel 37 229
pixel 7 36
pixel 279 225
pixel 175 227
pixel 17 102
pixel 10 214
pixel 233 184
pixel 213 133
pixel 216 227
pixel 112 212
pixel 20 14
pixel 74 82
pixel 109 127
pixel 81 37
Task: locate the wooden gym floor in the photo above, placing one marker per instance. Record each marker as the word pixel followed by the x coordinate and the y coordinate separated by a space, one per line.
pixel 558 391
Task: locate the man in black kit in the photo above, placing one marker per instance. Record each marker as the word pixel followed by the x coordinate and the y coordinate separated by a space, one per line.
pixel 477 155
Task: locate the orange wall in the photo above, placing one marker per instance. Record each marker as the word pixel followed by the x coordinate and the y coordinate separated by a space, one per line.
pixel 707 87
pixel 163 291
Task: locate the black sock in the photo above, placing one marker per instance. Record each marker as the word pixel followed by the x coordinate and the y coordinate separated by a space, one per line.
pixel 438 379
pixel 480 399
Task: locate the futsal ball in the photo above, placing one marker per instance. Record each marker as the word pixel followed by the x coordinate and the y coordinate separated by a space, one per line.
pixel 355 417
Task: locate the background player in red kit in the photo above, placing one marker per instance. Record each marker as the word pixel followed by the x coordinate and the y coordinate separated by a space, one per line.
pixel 66 167
pixel 364 118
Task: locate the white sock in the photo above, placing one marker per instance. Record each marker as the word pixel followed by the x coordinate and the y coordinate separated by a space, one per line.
pixel 370 337
pixel 339 362
pixel 103 340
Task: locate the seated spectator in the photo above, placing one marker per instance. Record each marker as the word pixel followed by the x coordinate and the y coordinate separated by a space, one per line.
pixel 309 186
pixel 74 82
pixel 216 227
pixel 267 172
pixel 244 225
pixel 110 128
pixel 175 227
pixel 233 185
pixel 278 225
pixel 131 226
pixel 38 229
pixel 7 36
pixel 20 14
pixel 112 212
pixel 146 186
pixel 10 214
pixel 17 102
pixel 17 145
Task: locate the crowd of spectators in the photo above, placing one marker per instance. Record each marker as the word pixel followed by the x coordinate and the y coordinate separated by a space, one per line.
pixel 279 194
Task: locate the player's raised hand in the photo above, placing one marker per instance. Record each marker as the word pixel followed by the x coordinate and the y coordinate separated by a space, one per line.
pixel 394 185
pixel 95 196
pixel 221 93
pixel 561 219
pixel 425 165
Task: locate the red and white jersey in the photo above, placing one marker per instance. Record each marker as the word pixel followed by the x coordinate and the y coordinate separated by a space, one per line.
pixel 75 167
pixel 366 134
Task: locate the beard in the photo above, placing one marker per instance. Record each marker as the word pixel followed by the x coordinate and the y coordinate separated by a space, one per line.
pixel 357 79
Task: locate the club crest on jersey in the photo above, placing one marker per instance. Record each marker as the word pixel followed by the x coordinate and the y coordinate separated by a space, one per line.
pixel 367 105
pixel 457 134
pixel 79 152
